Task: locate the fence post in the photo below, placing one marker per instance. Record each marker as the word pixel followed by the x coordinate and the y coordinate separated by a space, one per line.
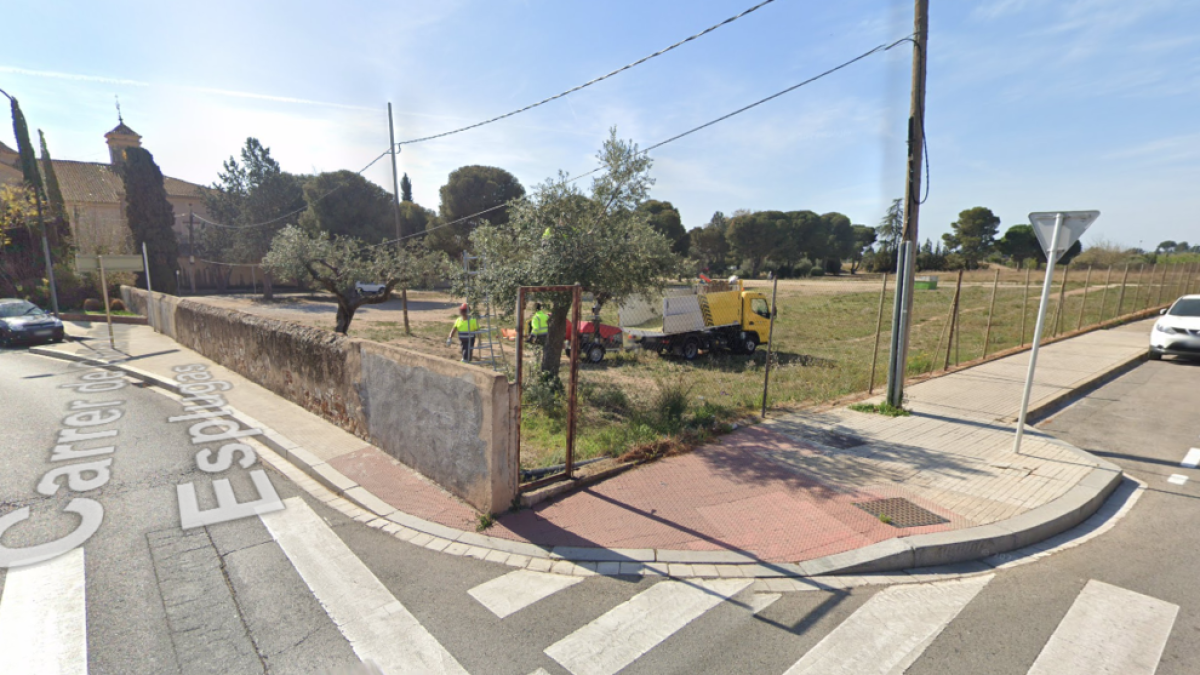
pixel 1104 296
pixel 1025 302
pixel 1087 278
pixel 1062 296
pixel 878 330
pixel 987 333
pixel 1162 286
pixel 953 318
pixel 771 344
pixel 1121 297
pixel 1149 286
pixel 1137 289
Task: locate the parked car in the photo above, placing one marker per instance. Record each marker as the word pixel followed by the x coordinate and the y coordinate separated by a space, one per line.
pixel 1177 331
pixel 369 289
pixel 22 321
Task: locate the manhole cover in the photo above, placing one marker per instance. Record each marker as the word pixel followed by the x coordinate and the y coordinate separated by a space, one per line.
pixel 833 439
pixel 899 512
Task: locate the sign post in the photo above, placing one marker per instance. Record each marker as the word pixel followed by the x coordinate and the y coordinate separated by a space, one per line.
pixel 112 263
pixel 1056 232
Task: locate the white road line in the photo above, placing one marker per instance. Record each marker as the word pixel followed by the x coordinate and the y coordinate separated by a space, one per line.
pixel 1177 479
pixel 1108 630
pixel 1192 459
pixel 636 626
pixel 380 630
pixel 761 601
pixel 43 618
pixel 891 630
pixel 517 590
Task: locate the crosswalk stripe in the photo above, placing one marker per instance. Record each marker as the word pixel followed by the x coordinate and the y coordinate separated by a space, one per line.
pixel 891 630
pixel 43 618
pixel 636 626
pixel 380 630
pixel 1192 459
pixel 517 590
pixel 1108 630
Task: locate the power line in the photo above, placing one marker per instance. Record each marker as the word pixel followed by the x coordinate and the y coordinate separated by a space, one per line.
pixel 589 83
pixel 881 48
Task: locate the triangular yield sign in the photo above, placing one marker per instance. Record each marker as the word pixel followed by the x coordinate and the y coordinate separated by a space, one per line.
pixel 1074 224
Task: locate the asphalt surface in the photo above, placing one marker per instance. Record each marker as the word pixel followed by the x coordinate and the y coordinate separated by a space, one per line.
pixel 225 598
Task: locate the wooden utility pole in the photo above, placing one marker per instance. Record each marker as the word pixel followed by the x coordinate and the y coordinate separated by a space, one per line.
pixel 912 205
pixel 396 210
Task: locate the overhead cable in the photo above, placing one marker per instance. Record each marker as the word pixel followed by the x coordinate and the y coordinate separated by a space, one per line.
pixel 589 83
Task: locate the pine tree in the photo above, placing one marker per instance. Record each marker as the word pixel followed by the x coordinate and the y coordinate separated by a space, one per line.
pixel 405 189
pixel 150 216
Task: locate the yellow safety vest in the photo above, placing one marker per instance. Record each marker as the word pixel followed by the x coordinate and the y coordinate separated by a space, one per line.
pixel 465 325
pixel 540 323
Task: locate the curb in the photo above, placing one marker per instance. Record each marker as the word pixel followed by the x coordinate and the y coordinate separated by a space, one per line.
pixel 1058 402
pixel 949 550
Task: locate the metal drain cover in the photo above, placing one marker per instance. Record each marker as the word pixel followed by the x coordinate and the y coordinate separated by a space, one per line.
pixel 900 512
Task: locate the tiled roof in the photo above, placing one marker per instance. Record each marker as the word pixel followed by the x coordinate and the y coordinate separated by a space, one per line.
pixel 95 182
pixel 5 149
pixel 123 130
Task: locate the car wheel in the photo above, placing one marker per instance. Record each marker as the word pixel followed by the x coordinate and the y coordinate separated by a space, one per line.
pixel 691 349
pixel 1155 356
pixel 595 353
pixel 749 344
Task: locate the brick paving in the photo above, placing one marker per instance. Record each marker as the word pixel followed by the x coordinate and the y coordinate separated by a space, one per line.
pixel 783 491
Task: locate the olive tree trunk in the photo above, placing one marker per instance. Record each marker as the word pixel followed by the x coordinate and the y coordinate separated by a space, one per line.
pixel 556 335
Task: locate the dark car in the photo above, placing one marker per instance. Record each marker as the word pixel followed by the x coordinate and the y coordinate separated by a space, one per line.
pixel 22 322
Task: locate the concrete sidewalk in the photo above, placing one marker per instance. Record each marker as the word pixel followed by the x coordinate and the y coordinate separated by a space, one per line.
pixel 777 499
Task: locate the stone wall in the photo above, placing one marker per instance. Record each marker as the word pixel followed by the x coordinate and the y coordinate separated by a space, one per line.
pixel 451 422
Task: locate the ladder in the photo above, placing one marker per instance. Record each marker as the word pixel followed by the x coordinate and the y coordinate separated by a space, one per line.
pixel 487 338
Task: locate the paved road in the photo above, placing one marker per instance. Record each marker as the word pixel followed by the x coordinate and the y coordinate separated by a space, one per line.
pixel 304 589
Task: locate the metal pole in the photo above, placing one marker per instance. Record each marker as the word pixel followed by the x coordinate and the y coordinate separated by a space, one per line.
pixel 987 334
pixel 1051 256
pixel 953 321
pixel 898 357
pixel 146 266
pixel 1062 296
pixel 50 272
pixel 878 331
pixel 191 249
pixel 1025 303
pixel 572 398
pixel 1087 278
pixel 520 367
pixel 1121 297
pixel 771 343
pixel 897 360
pixel 107 309
pixel 1104 296
pixel 396 211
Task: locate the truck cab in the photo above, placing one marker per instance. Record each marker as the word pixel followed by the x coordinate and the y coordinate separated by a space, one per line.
pixel 756 321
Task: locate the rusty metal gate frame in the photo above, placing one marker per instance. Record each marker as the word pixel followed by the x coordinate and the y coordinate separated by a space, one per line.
pixel 576 300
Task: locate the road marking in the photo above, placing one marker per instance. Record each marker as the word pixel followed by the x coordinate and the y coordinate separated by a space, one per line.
pixel 1108 630
pixel 1192 459
pixel 891 630
pixel 517 590
pixel 43 617
pixel 1177 479
pixel 636 626
pixel 380 630
pixel 761 601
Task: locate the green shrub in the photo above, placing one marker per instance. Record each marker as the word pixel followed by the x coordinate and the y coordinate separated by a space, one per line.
pixel 93 305
pixel 804 267
pixel 545 392
pixel 817 272
pixel 671 402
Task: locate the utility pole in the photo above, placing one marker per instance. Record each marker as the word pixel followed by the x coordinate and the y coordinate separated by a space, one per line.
pixel 898 358
pixel 396 210
pixel 192 249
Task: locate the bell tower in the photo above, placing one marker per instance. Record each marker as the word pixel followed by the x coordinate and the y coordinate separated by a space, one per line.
pixel 119 138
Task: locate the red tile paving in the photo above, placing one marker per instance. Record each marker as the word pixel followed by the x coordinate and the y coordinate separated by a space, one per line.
pixel 404 488
pixel 726 496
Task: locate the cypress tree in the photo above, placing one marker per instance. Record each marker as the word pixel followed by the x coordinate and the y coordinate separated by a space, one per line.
pixel 59 230
pixel 405 189
pixel 150 217
pixel 28 160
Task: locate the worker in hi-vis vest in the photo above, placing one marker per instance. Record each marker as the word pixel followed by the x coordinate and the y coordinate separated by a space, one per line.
pixel 466 327
pixel 539 325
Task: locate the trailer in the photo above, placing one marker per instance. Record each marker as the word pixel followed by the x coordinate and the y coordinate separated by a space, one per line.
pixel 704 317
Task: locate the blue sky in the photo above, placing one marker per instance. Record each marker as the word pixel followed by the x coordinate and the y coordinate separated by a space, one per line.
pixel 1077 104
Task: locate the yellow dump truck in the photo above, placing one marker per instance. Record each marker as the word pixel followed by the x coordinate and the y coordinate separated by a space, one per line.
pixel 711 316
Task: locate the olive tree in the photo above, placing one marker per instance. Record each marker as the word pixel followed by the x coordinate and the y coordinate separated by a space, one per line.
pixel 560 235
pixel 337 264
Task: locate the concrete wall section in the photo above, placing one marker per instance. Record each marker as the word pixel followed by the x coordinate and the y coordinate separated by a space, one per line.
pixel 452 422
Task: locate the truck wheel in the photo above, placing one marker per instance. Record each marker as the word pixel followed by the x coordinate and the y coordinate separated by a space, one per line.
pixel 595 353
pixel 691 349
pixel 749 344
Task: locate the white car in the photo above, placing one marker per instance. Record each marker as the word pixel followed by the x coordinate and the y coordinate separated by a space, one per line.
pixel 369 289
pixel 1177 331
